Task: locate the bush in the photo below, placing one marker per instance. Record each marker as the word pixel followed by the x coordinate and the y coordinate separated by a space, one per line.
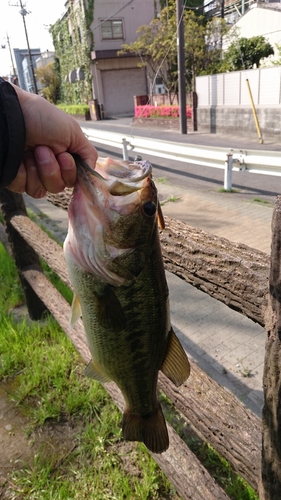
pixel 148 111
pixel 74 109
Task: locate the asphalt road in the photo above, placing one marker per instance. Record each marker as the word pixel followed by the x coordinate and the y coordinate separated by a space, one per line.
pixel 264 187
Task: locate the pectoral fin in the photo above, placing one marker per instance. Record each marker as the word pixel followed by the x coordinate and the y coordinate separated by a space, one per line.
pixel 110 313
pixel 92 371
pixel 76 312
pixel 161 220
pixel 175 365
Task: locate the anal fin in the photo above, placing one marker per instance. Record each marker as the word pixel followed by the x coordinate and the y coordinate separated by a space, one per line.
pixel 110 313
pixel 175 365
pixel 75 311
pixel 149 429
pixel 92 371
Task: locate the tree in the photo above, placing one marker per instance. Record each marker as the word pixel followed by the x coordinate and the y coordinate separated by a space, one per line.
pixel 49 80
pixel 246 53
pixel 157 49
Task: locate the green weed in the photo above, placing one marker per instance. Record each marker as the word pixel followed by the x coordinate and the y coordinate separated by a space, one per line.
pixel 258 200
pixel 161 180
pixel 173 198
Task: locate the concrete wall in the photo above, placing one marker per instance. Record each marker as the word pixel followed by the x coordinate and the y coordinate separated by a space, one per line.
pixel 135 14
pixel 239 121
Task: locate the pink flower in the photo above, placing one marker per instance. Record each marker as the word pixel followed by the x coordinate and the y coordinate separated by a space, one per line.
pixel 149 111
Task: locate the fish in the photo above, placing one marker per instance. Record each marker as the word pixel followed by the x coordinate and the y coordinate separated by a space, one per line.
pixel 113 256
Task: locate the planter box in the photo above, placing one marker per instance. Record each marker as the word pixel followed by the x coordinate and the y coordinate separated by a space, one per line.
pixel 82 118
pixel 157 122
pixel 171 123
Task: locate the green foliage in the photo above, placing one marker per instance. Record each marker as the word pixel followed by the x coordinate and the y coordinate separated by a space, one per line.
pixel 73 42
pixel 277 59
pixel 74 109
pixel 245 53
pixel 157 48
pixel 49 80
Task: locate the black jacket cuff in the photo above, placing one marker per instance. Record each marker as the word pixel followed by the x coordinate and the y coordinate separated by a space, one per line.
pixel 12 133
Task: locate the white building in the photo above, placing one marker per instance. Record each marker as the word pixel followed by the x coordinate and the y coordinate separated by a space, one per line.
pixel 262 19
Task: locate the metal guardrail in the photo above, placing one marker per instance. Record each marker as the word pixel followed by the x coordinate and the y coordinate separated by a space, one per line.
pixel 258 162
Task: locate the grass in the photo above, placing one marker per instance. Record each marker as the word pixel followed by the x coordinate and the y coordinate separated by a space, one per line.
pixel 258 200
pixel 161 180
pixel 223 190
pixel 42 372
pixel 173 198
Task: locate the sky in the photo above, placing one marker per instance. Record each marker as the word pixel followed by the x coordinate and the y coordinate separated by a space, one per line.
pixel 42 14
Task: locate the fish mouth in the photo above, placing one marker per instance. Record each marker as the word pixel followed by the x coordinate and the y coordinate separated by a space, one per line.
pixel 109 175
pixel 129 171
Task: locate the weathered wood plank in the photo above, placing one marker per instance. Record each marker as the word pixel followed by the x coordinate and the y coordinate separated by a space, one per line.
pixel 215 413
pixel 23 253
pixel 233 430
pixel 232 273
pixel 271 418
pixel 50 251
pixel 180 465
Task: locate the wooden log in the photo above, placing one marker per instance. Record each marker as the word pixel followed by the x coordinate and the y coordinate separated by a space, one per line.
pixel 232 430
pixel 23 254
pixel 271 418
pixel 180 465
pixel 232 273
pixel 50 251
pixel 214 412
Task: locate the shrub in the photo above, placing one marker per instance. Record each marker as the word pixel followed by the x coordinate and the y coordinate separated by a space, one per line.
pixel 148 111
pixel 74 109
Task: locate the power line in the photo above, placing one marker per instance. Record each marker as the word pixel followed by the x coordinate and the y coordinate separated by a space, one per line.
pixel 112 15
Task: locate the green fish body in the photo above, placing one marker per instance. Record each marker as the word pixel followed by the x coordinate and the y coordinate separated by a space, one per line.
pixel 115 265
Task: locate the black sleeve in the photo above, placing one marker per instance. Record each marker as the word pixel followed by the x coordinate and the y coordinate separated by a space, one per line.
pixel 12 133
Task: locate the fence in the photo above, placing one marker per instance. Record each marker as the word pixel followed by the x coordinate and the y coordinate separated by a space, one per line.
pixel 230 89
pixel 261 162
pixel 215 413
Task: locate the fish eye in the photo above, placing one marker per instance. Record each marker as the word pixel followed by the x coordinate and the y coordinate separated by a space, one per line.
pixel 149 208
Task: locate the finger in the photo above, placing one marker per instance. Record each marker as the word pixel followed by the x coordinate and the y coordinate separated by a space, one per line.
pixel 48 169
pixel 80 145
pixel 68 168
pixel 34 186
pixel 88 153
pixel 19 182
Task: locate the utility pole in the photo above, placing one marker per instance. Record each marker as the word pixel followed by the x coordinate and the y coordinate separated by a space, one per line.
pixel 222 9
pixel 181 66
pixel 23 12
pixel 11 56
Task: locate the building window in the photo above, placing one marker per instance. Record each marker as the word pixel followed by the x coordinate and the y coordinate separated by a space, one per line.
pixel 112 29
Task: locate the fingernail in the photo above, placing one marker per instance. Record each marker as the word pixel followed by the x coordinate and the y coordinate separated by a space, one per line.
pixel 43 154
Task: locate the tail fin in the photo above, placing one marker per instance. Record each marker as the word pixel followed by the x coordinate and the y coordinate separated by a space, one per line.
pixel 149 429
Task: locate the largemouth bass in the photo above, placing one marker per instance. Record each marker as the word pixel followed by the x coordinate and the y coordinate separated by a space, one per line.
pixel 114 261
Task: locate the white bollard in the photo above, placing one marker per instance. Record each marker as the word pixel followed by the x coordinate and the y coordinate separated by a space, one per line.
pixel 125 150
pixel 228 172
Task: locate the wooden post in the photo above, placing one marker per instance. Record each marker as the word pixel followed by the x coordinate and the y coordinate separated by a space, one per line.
pixel 271 420
pixel 24 255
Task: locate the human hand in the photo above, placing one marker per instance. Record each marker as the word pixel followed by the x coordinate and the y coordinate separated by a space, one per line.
pixel 51 135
